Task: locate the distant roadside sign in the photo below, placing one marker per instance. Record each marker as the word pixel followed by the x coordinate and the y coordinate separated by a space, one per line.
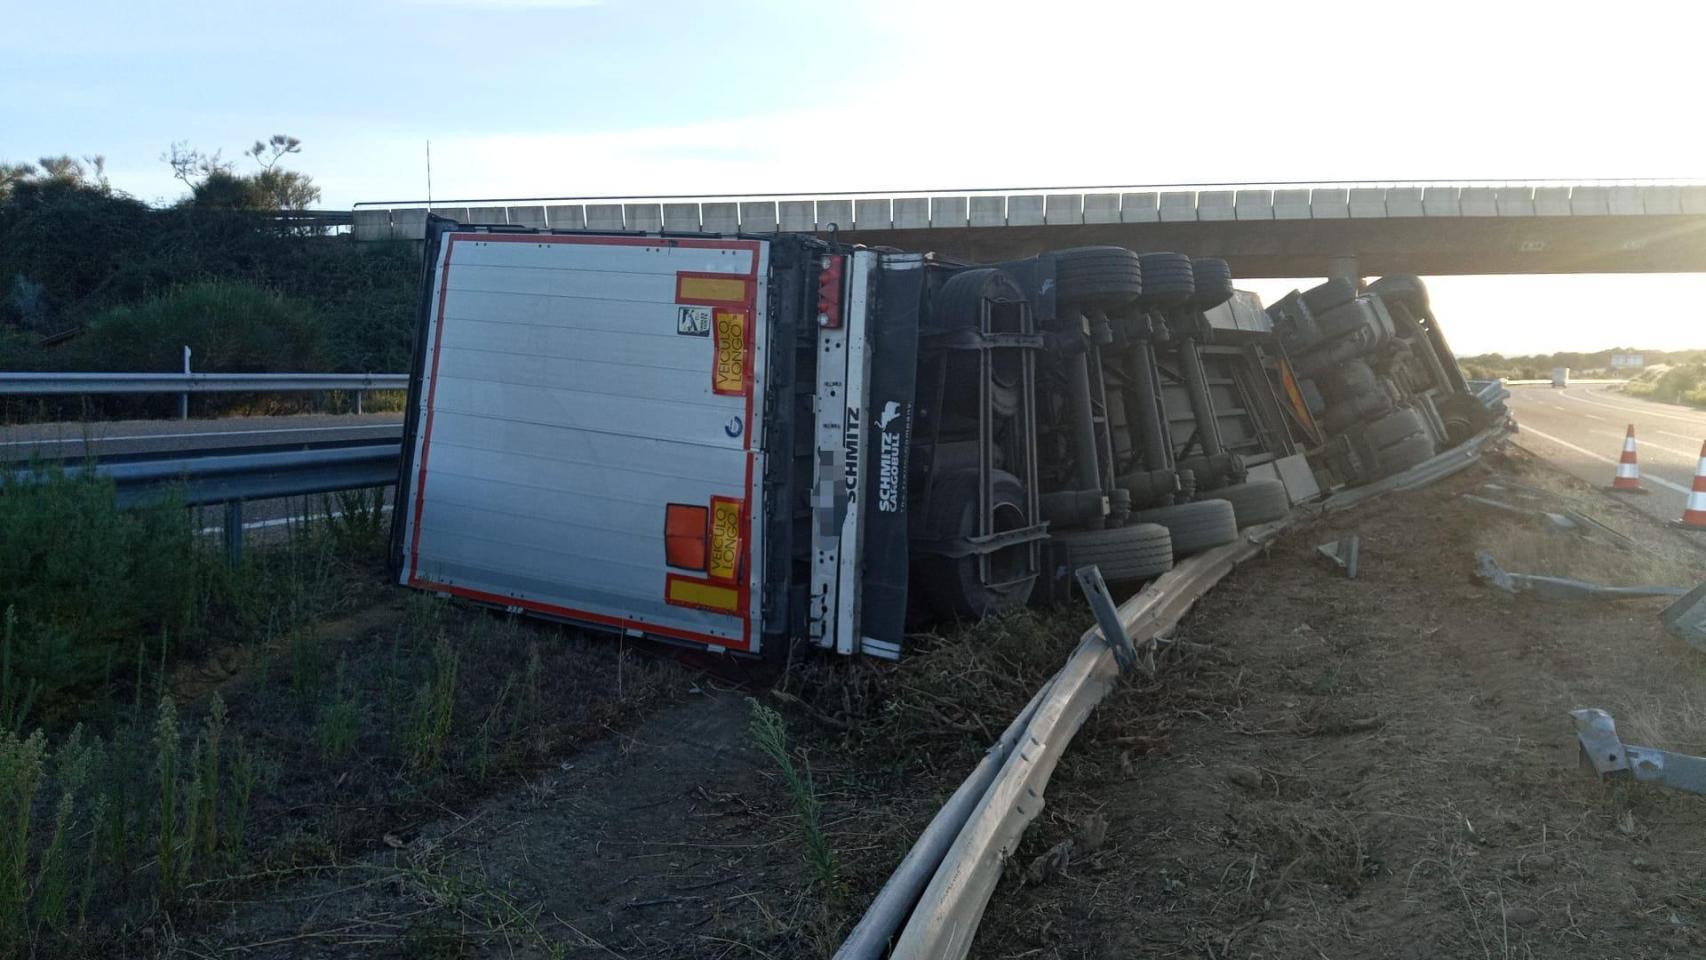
pixel 1627 361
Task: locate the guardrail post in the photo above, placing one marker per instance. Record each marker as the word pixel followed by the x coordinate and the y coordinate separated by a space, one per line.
pixel 358 395
pixel 234 531
pixel 184 398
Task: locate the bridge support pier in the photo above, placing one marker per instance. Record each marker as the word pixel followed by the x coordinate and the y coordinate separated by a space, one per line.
pixel 1344 267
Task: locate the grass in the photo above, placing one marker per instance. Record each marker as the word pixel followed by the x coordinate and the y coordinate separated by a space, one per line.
pixel 1529 547
pixel 770 732
pixel 339 724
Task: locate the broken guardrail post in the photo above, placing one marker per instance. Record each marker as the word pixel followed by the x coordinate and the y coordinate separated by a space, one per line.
pixel 1108 618
pixel 1345 552
pixel 1686 618
pixel 1488 571
pixel 1611 758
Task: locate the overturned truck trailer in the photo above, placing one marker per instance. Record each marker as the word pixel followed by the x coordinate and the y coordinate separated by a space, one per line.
pixel 744 443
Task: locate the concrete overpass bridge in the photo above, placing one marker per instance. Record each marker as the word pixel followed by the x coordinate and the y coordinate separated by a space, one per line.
pixel 1264 230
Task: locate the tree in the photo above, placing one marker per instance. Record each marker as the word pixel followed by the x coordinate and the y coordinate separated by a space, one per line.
pixel 269 152
pixel 214 183
pixel 192 166
pixel 89 172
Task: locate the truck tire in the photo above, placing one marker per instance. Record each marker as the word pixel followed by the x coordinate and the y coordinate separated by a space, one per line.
pixel 1464 417
pixel 1136 551
pixel 1400 424
pixel 1402 288
pixel 1333 293
pixel 1212 278
pixel 1353 377
pixel 1104 278
pixel 950 585
pixel 1366 405
pixel 957 303
pixel 1195 527
pixel 1168 279
pixel 1257 501
pixel 1404 454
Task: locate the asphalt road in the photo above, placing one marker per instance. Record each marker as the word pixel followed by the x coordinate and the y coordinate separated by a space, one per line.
pixel 75 441
pixel 1581 429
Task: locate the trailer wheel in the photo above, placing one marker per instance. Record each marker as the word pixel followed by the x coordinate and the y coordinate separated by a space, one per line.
pixel 1212 278
pixel 1353 377
pixel 1256 501
pixel 1195 527
pixel 951 586
pixel 1401 424
pixel 1104 278
pixel 1333 293
pixel 1136 551
pixel 1168 280
pixel 1464 417
pixel 1404 454
pixel 1402 288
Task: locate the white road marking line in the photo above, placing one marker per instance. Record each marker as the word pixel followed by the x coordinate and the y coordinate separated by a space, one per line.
pixel 1691 456
pixel 1592 417
pixel 1636 407
pixel 1661 481
pixel 205 433
pixel 1678 436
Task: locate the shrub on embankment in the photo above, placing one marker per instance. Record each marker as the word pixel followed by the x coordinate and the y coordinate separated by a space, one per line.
pixel 75 258
pixel 1683 383
pixel 88 589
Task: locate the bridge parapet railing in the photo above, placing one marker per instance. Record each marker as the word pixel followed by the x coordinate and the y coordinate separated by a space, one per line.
pixel 1047 207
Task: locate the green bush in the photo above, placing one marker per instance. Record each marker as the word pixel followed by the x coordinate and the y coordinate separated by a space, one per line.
pixel 69 253
pixel 230 327
pixel 86 582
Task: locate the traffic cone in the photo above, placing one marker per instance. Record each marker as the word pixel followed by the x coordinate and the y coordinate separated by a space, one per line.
pixel 1628 478
pixel 1694 515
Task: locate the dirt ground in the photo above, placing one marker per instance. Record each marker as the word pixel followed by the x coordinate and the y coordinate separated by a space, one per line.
pixel 1386 767
pixel 1382 767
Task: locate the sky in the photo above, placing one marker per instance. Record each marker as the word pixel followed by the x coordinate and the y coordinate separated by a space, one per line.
pixel 647 97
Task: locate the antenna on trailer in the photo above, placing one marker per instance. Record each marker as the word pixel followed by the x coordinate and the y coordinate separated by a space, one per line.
pixel 429 175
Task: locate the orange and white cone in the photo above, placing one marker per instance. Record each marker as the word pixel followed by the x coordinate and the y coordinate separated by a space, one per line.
pixel 1694 515
pixel 1628 478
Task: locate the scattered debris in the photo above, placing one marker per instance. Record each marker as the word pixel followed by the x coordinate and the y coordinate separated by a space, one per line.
pixel 1488 571
pixel 1612 758
pixel 1344 552
pixel 1686 618
pixel 1521 916
pixel 1561 521
pixel 1247 778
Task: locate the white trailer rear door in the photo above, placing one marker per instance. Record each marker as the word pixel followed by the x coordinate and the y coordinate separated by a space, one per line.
pixel 585 435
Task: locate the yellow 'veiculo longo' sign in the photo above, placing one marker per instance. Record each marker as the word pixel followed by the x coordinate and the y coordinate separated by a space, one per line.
pixel 729 328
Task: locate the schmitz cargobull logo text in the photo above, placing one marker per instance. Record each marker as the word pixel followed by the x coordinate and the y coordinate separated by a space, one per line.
pixel 891 427
pixel 851 447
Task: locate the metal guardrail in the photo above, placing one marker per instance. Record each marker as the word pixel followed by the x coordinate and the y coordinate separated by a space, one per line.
pixel 231 479
pixel 188 382
pixel 60 384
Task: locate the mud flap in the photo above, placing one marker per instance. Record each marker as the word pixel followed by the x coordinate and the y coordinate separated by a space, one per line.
pixel 894 362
